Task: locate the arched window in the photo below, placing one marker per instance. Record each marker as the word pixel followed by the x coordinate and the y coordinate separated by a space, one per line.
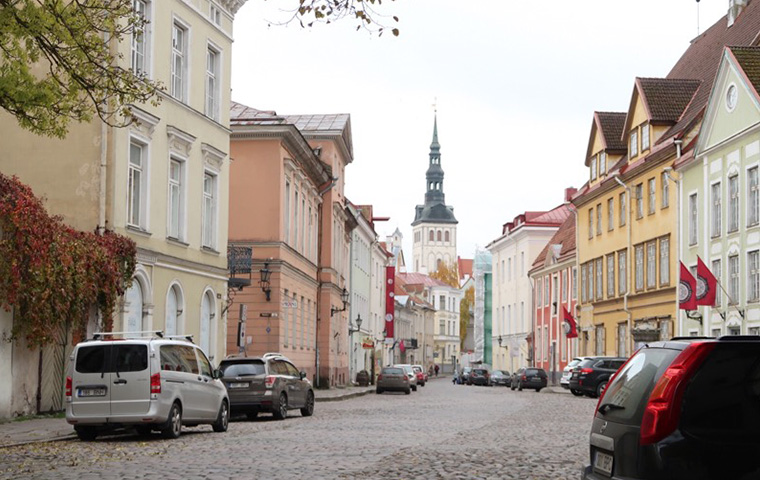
pixel 431 236
pixel 207 314
pixel 446 236
pixel 134 307
pixel 175 307
pixel 439 235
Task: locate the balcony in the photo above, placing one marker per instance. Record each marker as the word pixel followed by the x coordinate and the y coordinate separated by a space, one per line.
pixel 239 265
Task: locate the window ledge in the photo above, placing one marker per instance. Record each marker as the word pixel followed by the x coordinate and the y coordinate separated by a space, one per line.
pixel 209 250
pixel 176 241
pixel 138 230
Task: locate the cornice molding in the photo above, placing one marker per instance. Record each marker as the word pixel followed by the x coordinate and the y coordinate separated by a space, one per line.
pixel 179 141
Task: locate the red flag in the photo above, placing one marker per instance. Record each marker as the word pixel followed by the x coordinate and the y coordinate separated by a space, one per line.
pixel 707 285
pixel 687 299
pixel 571 328
pixel 401 346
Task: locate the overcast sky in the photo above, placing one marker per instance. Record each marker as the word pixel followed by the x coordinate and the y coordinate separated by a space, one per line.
pixel 516 86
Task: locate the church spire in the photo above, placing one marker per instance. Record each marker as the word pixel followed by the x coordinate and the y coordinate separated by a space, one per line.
pixel 434 174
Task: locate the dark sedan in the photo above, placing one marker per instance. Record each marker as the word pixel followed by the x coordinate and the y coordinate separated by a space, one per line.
pixel 479 376
pixel 529 377
pixel 501 377
pixel 393 379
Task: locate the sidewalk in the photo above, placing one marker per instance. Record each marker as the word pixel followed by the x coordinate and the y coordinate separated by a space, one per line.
pixel 53 429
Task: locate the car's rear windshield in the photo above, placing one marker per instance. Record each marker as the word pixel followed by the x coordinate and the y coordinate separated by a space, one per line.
pixel 632 385
pixel 392 371
pixel 480 371
pixel 254 367
pixel 574 362
pixel 111 358
pixel 534 371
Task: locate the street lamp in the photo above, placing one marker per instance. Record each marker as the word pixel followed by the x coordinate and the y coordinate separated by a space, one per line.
pixel 344 299
pixel 264 282
pixel 358 325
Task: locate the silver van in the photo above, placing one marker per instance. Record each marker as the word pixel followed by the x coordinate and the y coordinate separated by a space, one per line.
pixel 150 383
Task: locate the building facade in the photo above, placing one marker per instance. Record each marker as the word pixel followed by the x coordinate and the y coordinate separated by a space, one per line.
pixel 435 226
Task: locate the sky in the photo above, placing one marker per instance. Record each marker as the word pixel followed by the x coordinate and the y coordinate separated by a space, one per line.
pixel 515 84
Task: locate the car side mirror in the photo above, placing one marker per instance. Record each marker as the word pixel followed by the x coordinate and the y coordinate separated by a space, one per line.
pixel 303 375
pixel 217 374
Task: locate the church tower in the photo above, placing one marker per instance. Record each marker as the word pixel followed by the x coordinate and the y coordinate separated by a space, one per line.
pixel 434 227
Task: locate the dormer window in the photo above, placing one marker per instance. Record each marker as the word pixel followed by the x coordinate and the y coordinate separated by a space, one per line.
pixel 645 137
pixel 634 144
pixel 593 168
pixel 603 163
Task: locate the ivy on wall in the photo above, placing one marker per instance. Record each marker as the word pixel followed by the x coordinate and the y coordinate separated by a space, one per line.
pixel 52 274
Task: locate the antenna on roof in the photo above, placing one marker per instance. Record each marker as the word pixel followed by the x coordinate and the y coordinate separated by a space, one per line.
pixel 697 17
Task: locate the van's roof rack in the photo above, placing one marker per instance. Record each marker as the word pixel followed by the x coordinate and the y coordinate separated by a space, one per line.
pixel 140 334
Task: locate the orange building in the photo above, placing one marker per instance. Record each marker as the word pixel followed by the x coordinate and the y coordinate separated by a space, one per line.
pixel 287 205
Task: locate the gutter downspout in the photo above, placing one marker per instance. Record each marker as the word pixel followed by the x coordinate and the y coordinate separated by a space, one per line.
pixel 678 143
pixel 319 271
pixel 628 261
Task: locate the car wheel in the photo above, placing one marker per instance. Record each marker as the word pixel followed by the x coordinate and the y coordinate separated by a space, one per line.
pixel 600 388
pixel 173 426
pixel 282 407
pixel 379 391
pixel 308 409
pixel 512 387
pixel 222 419
pixel 575 392
pixel 407 391
pixel 538 390
pixel 414 387
pixel 252 415
pixel 86 434
pixel 143 429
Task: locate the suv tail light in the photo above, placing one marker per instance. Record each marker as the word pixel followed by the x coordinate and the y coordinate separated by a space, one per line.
pixel 68 389
pixel 524 377
pixel 663 410
pixel 379 376
pixel 586 370
pixel 269 381
pixel 155 383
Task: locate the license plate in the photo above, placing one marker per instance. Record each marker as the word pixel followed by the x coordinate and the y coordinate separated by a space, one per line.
pixel 92 392
pixel 239 385
pixel 603 462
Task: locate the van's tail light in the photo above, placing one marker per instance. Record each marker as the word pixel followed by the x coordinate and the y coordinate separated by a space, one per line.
pixel 524 377
pixel 269 381
pixel 587 370
pixel 663 410
pixel 379 377
pixel 155 383
pixel 68 389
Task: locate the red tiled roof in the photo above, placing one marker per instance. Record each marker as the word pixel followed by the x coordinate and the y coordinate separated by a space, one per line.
pixel 464 265
pixel 666 98
pixel 416 278
pixel 564 236
pixel 243 115
pixel 749 59
pixel 611 125
pixel 701 60
pixel 553 217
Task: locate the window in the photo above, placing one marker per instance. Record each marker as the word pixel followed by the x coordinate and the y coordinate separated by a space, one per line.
pixel 753 209
pixel 215 15
pixel 140 48
pixel 138 188
pixel 591 280
pixel 599 284
pixel 179 62
pixel 575 282
pixel 733 203
pixel 286 220
pixel 651 265
pixel 693 219
pixel 593 168
pixel 285 320
pixel 652 196
pixel 209 210
pixel 599 337
pixel 590 223
pixel 639 200
pixel 665 261
pixel 599 219
pixel 622 328
pixel 610 213
pixel 602 163
pixel 176 199
pixel 623 211
pixel 716 266
pixel 303 223
pixel 622 274
pixel 446 236
pixel 639 258
pixel 733 281
pixel 295 220
pixel 753 278
pixel 431 236
pixel 644 137
pixel 716 214
pixel 555 292
pixel 664 190
pixel 438 236
pixel 564 285
pixel 213 91
pixel 584 297
pixel 634 145
pixel 522 263
pixel 546 290
pixel 610 275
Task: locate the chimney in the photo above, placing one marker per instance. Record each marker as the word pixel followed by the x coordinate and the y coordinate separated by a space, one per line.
pixel 570 193
pixel 735 8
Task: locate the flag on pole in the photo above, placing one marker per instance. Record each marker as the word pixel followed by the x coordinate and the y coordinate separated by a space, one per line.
pixel 707 284
pixel 571 327
pixel 687 299
pixel 401 346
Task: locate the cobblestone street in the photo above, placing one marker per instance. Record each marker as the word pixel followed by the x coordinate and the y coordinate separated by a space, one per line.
pixel 442 431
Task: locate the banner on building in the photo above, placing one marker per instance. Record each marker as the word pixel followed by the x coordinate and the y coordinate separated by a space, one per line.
pixel 687 287
pixel 368 343
pixel 390 304
pixel 571 328
pixel 707 284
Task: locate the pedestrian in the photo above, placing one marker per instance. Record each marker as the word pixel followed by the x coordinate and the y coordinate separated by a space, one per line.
pixel 436 369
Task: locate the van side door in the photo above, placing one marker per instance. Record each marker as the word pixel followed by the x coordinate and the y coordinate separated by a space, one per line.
pixel 210 391
pixel 91 385
pixel 130 379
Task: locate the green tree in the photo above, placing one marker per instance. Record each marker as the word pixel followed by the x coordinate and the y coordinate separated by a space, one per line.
pixel 447 273
pixel 58 63
pixel 465 307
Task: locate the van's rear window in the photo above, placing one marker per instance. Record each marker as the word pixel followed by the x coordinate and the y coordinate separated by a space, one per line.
pixel 91 359
pixel 112 358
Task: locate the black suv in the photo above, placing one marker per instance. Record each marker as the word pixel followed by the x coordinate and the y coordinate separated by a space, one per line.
pixel 590 377
pixel 529 377
pixel 687 408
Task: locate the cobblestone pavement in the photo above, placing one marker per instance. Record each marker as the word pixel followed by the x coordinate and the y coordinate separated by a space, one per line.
pixel 442 431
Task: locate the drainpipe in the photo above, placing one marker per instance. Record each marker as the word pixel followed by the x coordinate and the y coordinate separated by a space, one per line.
pixel 668 170
pixel 628 260
pixel 321 193
pixel 103 164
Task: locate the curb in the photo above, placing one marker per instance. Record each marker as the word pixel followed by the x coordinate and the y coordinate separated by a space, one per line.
pixel 70 436
pixel 338 398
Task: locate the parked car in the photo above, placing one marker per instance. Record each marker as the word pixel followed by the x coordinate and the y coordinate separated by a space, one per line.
pixel 393 379
pixel 149 383
pixel 424 373
pixel 501 377
pixel 464 374
pixel 529 377
pixel 409 373
pixel 567 372
pixel 591 375
pixel 270 384
pixel 479 376
pixel 687 408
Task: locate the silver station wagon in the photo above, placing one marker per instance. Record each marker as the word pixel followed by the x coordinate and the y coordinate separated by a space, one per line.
pixel 151 383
